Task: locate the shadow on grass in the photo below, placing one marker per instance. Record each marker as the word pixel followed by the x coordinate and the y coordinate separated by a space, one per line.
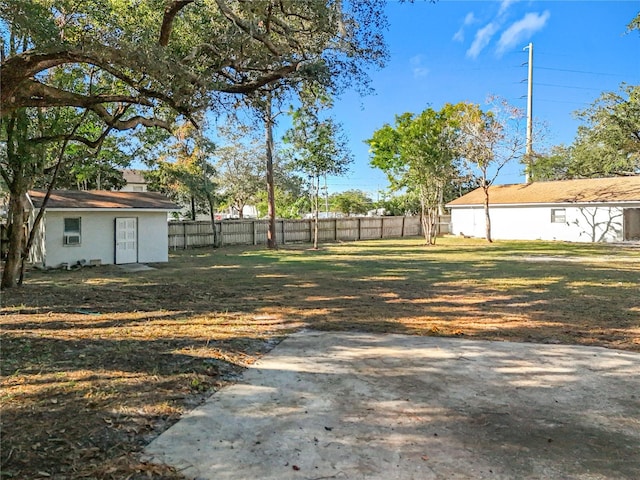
pixel 72 406
pixel 361 285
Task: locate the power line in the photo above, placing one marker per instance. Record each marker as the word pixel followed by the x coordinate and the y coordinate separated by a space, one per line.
pixel 568 86
pixel 560 101
pixel 580 71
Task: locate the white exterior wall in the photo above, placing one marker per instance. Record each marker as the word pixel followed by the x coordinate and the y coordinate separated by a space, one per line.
pixel 153 237
pixel 584 223
pixel 134 187
pixel 468 221
pixel 98 237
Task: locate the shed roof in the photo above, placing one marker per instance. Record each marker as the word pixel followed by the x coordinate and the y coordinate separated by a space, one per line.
pixel 103 199
pixel 589 190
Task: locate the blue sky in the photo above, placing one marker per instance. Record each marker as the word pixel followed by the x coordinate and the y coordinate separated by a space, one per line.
pixel 454 51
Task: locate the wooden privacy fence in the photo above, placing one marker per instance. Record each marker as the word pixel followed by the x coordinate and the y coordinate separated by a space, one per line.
pixel 254 232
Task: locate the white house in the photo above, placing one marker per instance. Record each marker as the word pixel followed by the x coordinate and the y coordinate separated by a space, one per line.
pixel 135 181
pixel 101 227
pixel 586 210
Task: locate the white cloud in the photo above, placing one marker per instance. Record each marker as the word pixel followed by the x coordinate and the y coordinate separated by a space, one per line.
pixel 504 6
pixel 522 30
pixel 420 72
pixel 469 19
pixel 418 69
pixel 482 39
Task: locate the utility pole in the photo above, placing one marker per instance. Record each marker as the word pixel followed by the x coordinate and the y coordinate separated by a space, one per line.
pixel 529 151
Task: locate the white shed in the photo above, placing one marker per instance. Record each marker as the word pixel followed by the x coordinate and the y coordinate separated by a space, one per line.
pixel 585 210
pixel 101 227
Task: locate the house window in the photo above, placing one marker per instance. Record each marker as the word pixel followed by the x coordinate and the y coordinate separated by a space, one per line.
pixel 72 235
pixel 558 215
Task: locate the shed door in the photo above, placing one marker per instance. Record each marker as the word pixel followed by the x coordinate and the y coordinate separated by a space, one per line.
pixel 126 240
pixel 631 223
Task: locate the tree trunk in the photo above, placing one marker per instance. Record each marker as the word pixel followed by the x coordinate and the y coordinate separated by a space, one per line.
pixel 17 225
pixel 193 208
pixel 487 218
pixel 38 218
pixel 441 209
pixel 432 214
pixel 271 199
pixel 424 219
pixel 212 215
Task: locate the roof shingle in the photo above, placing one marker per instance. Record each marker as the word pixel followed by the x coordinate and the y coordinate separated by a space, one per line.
pixel 63 199
pixel 589 190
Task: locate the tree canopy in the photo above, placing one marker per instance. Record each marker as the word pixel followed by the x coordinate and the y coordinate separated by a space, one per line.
pixel 185 172
pixel 606 145
pixel 180 54
pixel 351 202
pixel 417 154
pixel 486 141
pixel 240 163
pixel 317 144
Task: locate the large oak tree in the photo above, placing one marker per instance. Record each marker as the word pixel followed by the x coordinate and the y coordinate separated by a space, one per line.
pixel 142 64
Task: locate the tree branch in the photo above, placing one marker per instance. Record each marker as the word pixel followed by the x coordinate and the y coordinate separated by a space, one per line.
pixel 19 68
pixel 253 85
pixel 36 94
pixel 247 28
pixel 113 120
pixel 170 12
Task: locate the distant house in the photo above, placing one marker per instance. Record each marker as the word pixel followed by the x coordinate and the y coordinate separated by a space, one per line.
pixel 248 212
pixel 587 210
pixel 135 181
pixel 101 227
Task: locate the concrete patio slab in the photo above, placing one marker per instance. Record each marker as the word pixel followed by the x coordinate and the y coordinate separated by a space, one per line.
pixel 135 267
pixel 365 406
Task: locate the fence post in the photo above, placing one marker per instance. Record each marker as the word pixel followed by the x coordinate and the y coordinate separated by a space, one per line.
pixel 184 234
pixel 335 229
pixel 381 227
pixel 255 232
pixel 402 231
pixel 284 237
pixel 359 228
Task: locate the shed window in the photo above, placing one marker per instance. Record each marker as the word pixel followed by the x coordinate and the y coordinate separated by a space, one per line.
pixel 558 215
pixel 72 232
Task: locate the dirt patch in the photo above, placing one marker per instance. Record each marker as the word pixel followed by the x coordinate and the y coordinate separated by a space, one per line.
pixel 96 362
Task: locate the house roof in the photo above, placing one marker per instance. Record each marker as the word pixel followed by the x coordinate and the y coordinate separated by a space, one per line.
pixel 589 190
pixel 133 176
pixel 102 199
